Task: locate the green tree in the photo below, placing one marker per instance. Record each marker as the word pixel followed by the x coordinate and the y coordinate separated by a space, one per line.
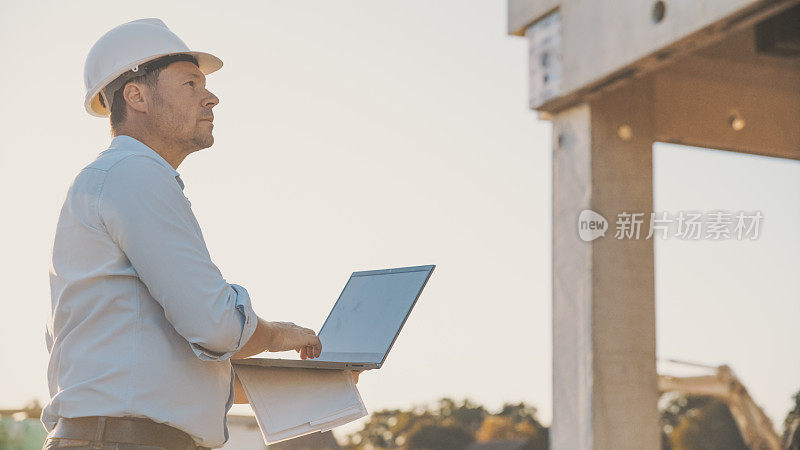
pixel 449 425
pixel 445 425
pixel 467 415
pixel 699 423
pixel 515 421
pixel 438 437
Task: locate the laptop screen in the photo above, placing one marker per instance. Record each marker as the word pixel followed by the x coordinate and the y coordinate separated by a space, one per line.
pixel 370 312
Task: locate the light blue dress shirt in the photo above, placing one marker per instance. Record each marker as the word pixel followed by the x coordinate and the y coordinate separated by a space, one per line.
pixel 142 322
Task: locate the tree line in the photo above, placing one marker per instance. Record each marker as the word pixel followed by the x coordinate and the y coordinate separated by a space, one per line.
pixel 687 423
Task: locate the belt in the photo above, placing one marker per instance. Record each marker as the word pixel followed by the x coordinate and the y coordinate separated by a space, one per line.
pixel 127 430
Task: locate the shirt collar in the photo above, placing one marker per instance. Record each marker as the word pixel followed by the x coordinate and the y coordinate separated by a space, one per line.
pixel 131 144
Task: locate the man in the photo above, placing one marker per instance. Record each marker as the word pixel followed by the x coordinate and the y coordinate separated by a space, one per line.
pixel 143 324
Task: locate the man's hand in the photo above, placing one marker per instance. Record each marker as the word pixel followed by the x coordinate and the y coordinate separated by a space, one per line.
pixel 287 336
pixel 281 336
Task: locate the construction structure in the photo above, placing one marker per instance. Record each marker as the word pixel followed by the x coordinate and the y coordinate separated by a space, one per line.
pixel 754 426
pixel 614 77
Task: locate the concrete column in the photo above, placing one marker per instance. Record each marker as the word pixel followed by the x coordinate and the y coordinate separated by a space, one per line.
pixel 605 391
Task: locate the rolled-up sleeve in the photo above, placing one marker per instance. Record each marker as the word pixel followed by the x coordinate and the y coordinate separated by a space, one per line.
pixel 143 209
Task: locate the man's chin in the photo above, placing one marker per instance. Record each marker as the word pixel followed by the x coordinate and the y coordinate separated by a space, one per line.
pixel 204 141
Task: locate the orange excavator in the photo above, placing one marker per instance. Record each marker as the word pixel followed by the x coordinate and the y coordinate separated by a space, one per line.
pixel 754 426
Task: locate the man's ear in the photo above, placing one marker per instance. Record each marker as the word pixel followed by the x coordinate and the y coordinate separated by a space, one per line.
pixel 134 96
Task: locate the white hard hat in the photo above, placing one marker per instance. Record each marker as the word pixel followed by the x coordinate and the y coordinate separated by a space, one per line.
pixel 127 46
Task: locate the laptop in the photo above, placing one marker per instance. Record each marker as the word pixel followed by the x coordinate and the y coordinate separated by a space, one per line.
pixel 364 322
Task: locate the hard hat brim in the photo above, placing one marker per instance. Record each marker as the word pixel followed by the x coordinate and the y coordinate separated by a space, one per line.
pixel 206 62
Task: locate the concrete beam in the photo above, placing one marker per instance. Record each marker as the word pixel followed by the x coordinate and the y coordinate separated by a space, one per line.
pixel 523 13
pixel 605 391
pixel 603 44
pixel 698 98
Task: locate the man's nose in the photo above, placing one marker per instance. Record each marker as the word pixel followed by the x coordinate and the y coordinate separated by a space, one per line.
pixel 211 101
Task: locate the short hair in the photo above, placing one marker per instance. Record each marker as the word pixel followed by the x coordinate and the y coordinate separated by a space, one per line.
pixel 149 77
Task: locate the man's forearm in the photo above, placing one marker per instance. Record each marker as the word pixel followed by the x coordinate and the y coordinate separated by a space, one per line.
pixel 258 341
pixel 278 337
pixel 239 395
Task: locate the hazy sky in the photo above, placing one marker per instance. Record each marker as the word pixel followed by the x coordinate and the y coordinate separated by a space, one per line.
pixel 365 135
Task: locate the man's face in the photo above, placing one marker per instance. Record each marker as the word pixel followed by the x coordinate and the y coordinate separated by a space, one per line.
pixel 181 107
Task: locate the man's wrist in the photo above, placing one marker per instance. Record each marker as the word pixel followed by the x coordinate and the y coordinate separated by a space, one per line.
pixel 259 342
pixel 268 334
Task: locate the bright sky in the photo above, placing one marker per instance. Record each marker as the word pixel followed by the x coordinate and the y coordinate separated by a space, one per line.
pixel 363 135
